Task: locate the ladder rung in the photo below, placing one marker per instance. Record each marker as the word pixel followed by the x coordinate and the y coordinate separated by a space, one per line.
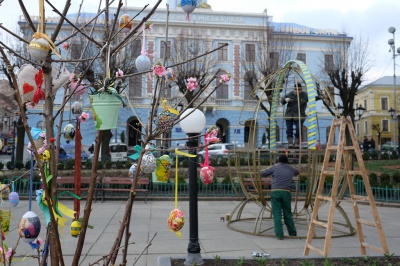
pixel 327 172
pixel 357 197
pixel 366 222
pixel 356 172
pixel 373 247
pixel 315 249
pixel 322 224
pixel 324 198
pixel 333 148
pixel 348 148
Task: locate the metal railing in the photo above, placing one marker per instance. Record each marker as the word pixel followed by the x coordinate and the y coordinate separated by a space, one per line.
pixel 217 190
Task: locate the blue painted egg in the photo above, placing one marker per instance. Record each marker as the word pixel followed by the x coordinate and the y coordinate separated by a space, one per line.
pixel 143 63
pixel 13 198
pixel 76 109
pixel 69 132
pixel 188 5
pixel 29 226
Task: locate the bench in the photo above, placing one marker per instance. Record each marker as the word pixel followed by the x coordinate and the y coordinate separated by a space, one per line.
pixel 123 184
pixel 66 183
pixel 265 184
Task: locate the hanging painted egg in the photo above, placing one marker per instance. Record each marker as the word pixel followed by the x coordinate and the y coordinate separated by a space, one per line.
pixel 125 23
pixel 188 6
pixel 143 63
pixel 149 163
pixel 29 226
pixel 5 190
pixel 39 49
pixel 80 90
pixel 169 76
pixel 165 121
pixel 176 220
pixel 76 109
pixel 75 228
pixel 13 198
pixel 69 132
pixel 207 174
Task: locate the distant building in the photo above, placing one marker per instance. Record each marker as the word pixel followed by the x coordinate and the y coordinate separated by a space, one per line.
pixel 377 99
pixel 226 106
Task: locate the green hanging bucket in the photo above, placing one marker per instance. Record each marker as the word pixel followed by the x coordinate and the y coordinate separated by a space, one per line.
pixel 105 109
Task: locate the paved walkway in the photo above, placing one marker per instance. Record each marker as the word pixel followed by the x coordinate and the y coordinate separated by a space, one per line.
pixel 150 218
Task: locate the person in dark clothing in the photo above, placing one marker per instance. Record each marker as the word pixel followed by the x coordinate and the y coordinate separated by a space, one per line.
pixel 281 198
pixel 295 114
pixel 365 144
pixel 371 145
pixel 91 149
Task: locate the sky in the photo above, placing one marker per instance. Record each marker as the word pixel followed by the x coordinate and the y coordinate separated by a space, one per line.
pixel 367 19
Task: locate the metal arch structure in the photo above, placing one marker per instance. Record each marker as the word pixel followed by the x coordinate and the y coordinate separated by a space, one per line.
pixel 248 162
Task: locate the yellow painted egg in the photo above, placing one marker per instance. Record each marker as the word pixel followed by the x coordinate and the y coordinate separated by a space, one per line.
pixel 75 228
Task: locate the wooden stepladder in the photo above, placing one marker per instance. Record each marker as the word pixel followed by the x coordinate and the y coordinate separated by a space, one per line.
pixel 343 152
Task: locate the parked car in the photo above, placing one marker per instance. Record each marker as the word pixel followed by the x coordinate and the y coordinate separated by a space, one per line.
pixel 389 146
pixel 217 150
pixel 67 152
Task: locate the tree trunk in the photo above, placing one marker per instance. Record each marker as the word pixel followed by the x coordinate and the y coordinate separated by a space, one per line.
pixel 105 145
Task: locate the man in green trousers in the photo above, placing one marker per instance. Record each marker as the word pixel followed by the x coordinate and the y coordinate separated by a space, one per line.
pixel 281 198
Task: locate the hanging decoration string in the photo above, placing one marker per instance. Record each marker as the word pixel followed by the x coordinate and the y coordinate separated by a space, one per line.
pixel 40 34
pixel 30 184
pixel 178 152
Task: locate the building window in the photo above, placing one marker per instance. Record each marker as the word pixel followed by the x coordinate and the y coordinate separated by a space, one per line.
pixel 385 125
pixel 384 104
pixel 250 52
pixel 301 57
pixel 329 63
pixel 223 89
pixel 162 49
pixel 223 52
pixel 365 128
pixel 274 60
pixel 135 86
pixel 365 105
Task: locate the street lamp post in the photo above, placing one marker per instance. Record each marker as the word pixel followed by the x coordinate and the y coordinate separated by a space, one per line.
pixel 13 143
pixel 392 45
pixel 192 124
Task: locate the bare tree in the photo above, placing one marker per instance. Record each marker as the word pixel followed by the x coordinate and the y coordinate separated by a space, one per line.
pixel 184 48
pixel 346 65
pixel 378 129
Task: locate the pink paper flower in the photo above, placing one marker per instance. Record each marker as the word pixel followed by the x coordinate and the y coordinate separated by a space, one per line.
pixel 7 254
pixel 225 78
pixel 191 84
pixel 119 73
pixel 83 117
pixel 65 46
pixel 159 70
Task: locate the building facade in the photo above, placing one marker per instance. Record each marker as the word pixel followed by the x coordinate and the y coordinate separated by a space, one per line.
pixel 377 98
pixel 230 108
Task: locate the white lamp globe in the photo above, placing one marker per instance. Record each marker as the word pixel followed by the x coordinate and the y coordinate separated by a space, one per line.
pixel 192 122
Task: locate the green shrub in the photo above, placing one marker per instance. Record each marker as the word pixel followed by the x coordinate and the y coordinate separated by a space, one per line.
pixel 394 155
pixel 329 179
pixel 365 156
pixel 119 165
pixel 100 165
pixel 1 165
pixel 108 164
pixel 304 159
pixel 231 162
pixel 19 165
pixel 385 156
pixel 60 166
pixel 332 158
pixel 373 179
pixel 242 161
pixel 396 177
pixel 27 165
pixel 358 177
pixel 226 180
pixel 185 163
pixel 88 165
pixel 69 165
pixel 374 155
pixel 9 166
pixel 385 180
pixel 303 179
pixel 223 162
